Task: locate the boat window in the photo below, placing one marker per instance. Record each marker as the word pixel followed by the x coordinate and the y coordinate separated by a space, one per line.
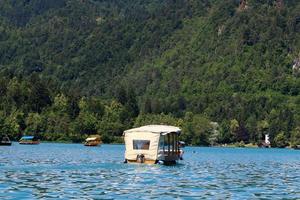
pixel 141 144
pixel 166 143
pixel 162 143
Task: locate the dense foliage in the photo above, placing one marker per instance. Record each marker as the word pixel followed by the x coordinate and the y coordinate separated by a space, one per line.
pixel 71 68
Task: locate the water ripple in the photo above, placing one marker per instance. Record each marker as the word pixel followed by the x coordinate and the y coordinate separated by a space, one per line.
pixel 72 171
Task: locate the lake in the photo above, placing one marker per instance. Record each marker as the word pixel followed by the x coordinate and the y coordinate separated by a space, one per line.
pixel 73 171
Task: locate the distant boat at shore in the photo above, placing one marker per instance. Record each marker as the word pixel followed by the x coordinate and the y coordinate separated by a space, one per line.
pixel 297 147
pixel 30 140
pixel 93 140
pixel 266 143
pixel 5 141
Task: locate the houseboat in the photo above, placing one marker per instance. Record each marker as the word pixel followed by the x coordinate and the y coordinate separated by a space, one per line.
pixel 29 140
pixel 4 140
pixel 152 144
pixel 93 140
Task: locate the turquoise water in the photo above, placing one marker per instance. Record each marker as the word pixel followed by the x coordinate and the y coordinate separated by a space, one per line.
pixel 73 171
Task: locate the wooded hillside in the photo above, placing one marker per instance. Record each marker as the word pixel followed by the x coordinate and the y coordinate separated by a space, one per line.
pixel 224 71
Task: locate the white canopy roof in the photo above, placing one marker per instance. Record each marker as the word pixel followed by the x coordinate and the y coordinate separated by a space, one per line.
pixel 155 129
pixel 91 138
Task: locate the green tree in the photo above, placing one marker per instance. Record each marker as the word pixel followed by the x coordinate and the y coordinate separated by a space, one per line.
pixel 280 140
pixel 214 137
pixel 196 129
pixel 295 137
pixel 60 103
pixel 234 127
pixel 14 122
pixel 262 129
pixel 163 119
pixel 9 125
pixel 111 126
pixel 34 124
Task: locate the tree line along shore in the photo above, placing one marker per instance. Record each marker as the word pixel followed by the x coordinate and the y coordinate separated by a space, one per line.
pixel 226 72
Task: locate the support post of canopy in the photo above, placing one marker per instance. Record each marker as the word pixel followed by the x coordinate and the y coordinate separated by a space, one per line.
pixel 164 150
pixel 176 143
pixel 173 143
pixel 169 144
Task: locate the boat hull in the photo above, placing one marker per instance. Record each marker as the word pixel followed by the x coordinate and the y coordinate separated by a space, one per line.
pixel 29 143
pixel 297 147
pixel 151 162
pixel 5 143
pixel 92 144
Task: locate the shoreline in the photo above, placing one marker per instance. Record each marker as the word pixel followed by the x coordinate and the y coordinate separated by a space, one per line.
pixel 247 146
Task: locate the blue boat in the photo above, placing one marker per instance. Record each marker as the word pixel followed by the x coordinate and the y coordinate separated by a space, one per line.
pixel 29 140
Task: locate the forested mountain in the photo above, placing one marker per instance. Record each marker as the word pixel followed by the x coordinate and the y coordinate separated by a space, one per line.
pixel 224 71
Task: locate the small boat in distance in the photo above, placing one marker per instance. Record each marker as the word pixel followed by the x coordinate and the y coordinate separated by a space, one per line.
pixel 152 144
pixel 93 140
pixel 296 147
pixel 266 143
pixel 4 140
pixel 29 140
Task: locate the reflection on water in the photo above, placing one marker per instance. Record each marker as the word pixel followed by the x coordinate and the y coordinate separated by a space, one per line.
pixel 73 171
